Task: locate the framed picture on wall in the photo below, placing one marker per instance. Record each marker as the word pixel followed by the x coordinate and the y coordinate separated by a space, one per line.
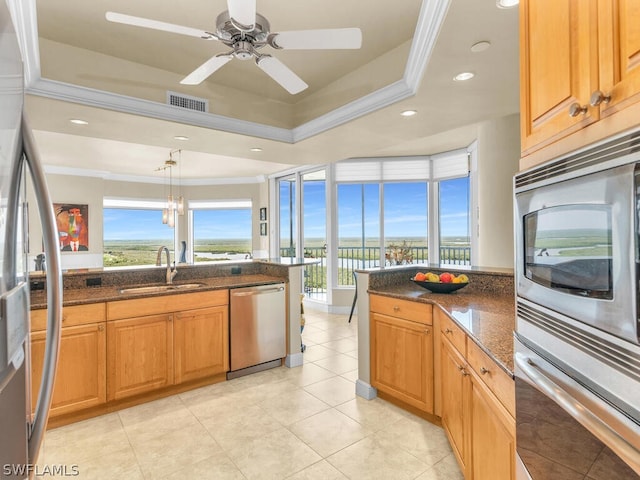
pixel 263 214
pixel 263 229
pixel 72 221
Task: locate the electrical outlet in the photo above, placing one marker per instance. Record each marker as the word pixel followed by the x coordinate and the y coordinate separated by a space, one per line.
pixel 236 270
pixel 94 282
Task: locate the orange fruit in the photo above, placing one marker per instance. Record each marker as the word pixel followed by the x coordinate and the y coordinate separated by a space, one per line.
pixel 420 277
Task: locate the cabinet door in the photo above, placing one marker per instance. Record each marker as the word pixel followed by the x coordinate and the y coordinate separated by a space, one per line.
pixel 558 67
pixel 492 436
pixel 402 360
pixel 619 41
pixel 140 355
pixel 455 393
pixel 201 343
pixel 81 373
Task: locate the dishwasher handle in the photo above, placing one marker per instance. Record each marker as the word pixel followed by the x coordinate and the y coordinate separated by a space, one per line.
pixel 250 293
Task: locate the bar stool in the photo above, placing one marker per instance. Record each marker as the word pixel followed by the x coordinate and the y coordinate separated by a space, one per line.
pixel 355 296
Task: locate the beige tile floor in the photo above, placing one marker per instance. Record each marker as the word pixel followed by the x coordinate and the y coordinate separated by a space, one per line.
pixel 300 423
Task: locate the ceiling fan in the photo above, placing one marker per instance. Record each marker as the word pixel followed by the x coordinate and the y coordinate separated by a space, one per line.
pixel 246 32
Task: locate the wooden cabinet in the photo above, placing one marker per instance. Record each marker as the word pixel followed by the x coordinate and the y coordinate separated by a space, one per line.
pixel 201 343
pixel 493 433
pixel 140 355
pixel 477 406
pixel 455 401
pixel 402 350
pixel 569 51
pixel 81 374
pixel 170 341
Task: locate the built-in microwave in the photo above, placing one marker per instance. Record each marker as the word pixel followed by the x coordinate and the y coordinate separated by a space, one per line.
pixel 577 237
pixel 577 347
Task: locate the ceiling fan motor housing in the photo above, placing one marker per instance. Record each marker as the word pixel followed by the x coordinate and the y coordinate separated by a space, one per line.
pixel 229 33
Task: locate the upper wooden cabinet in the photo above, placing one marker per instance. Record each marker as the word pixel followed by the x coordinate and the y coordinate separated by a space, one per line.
pixel 579 65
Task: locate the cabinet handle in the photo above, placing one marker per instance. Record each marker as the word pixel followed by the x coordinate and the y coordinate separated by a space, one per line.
pixel 101 328
pixel 598 97
pixel 483 370
pixel 427 331
pixel 464 373
pixel 448 330
pixel 460 367
pixel 64 318
pixel 396 308
pixel 576 109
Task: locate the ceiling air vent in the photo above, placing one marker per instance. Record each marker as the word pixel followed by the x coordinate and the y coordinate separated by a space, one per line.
pixel 188 102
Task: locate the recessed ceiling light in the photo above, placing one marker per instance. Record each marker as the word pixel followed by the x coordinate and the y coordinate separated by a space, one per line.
pixel 507 3
pixel 480 46
pixel 77 121
pixel 181 137
pixel 256 149
pixel 408 113
pixel 461 77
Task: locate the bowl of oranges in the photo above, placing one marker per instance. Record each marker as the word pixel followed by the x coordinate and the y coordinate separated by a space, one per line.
pixel 440 283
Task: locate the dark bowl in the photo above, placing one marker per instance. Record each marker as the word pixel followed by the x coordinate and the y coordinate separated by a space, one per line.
pixel 440 287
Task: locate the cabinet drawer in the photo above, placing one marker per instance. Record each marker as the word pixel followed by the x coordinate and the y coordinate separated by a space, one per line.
pixel 137 307
pixel 452 332
pixel 73 315
pixel 406 309
pixel 498 381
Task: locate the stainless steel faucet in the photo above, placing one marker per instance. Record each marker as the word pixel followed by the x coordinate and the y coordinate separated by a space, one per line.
pixel 171 270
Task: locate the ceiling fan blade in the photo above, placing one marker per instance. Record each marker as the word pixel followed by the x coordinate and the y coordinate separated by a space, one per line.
pixel 331 38
pixel 242 13
pixel 277 70
pixel 206 69
pixel 155 25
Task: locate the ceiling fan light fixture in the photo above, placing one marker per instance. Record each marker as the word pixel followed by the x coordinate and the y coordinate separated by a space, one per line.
pixel 463 76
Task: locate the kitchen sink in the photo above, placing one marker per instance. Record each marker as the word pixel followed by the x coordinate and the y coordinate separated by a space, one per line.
pixel 162 288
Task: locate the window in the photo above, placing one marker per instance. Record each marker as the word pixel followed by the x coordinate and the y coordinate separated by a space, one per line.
pixel 133 231
pixel 455 239
pixel 287 215
pixel 406 223
pixel 358 229
pixel 221 230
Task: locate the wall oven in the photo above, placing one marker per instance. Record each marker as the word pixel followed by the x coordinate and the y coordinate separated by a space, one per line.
pixel 577 336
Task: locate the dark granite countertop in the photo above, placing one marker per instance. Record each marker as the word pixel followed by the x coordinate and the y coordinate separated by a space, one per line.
pixel 488 319
pixel 79 296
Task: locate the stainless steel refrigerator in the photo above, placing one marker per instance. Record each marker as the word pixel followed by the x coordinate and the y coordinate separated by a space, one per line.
pixel 21 430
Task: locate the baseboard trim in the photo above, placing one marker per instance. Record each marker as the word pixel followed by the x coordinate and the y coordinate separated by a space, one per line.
pixel 365 390
pixel 294 360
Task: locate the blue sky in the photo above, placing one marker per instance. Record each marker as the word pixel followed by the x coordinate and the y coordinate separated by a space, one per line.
pixel 405 207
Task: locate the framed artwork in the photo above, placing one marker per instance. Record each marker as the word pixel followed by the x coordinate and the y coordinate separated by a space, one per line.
pixel 263 214
pixel 72 220
pixel 263 229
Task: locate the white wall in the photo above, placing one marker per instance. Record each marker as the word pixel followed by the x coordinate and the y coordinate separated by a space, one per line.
pixel 92 190
pixel 498 157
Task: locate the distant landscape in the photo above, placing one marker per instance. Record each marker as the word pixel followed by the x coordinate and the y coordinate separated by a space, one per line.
pixel 143 252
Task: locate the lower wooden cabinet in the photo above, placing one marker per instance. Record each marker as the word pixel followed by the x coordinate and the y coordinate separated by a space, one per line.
pixel 80 378
pixel 140 355
pixel 455 388
pixel 493 445
pixel 402 360
pixel 201 343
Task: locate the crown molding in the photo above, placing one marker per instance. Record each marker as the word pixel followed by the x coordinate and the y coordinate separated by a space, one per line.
pixel 430 19
pixel 116 177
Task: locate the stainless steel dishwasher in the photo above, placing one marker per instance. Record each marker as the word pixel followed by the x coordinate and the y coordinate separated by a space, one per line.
pixel 257 329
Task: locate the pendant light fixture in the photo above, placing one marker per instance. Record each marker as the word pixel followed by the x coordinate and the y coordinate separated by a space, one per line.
pixel 173 206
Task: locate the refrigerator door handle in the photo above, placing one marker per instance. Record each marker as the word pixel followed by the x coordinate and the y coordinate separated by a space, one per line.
pixel 54 291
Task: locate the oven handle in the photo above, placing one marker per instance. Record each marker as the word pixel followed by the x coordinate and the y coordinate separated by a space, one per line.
pixel 579 412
